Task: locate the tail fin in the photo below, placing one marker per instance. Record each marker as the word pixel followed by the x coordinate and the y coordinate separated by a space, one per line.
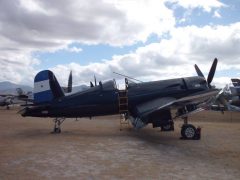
pixel 236 82
pixel 46 87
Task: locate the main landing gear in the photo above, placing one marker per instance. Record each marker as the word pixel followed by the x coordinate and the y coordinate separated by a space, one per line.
pixel 57 125
pixel 189 131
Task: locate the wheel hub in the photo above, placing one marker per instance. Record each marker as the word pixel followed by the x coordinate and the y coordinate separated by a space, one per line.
pixel 189 132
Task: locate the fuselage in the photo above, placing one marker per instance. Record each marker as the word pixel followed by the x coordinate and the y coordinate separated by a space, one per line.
pixel 104 99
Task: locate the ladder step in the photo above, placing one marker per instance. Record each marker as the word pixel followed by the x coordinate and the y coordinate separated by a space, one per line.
pixel 123 121
pixel 122 93
pixel 123 111
pixel 123 106
pixel 123 101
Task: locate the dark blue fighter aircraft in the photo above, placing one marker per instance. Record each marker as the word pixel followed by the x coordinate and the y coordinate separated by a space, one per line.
pixel 142 103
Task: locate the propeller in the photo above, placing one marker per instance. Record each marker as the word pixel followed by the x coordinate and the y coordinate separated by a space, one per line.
pixel 95 80
pixel 69 88
pixel 199 72
pixel 211 72
pixel 220 98
pixel 91 84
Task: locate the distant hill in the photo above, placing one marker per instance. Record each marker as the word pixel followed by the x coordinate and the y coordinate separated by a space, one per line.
pixel 7 87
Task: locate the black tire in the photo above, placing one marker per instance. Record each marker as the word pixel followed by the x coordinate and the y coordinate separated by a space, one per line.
pixel 57 130
pixel 188 131
pixel 168 127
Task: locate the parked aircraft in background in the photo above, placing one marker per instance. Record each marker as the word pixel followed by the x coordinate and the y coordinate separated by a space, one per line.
pixel 9 99
pixel 229 98
pixel 6 101
pixel 142 103
pixel 24 98
pixel 235 93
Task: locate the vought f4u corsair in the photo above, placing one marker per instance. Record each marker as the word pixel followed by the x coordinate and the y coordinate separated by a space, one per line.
pixel 142 103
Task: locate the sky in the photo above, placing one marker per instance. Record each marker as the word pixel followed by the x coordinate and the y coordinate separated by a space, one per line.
pixel 145 39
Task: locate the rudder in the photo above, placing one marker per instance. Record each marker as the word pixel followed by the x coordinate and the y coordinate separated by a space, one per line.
pixel 46 87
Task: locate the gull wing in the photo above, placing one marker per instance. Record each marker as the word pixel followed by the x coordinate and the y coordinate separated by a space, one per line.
pixel 200 98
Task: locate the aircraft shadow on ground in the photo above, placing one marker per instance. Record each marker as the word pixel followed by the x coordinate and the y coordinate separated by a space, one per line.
pixel 152 136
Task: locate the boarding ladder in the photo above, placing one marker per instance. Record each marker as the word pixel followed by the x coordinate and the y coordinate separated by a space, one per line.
pixel 123 106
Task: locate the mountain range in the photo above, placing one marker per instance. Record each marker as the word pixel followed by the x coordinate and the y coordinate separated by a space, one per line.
pixel 7 87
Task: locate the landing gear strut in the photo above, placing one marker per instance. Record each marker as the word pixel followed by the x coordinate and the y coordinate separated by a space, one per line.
pixel 57 125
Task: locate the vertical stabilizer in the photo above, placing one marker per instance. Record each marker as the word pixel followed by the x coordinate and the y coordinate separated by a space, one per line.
pixel 46 87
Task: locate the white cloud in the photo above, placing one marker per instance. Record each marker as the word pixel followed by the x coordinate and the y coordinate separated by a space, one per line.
pixel 217 14
pixel 27 26
pixel 74 49
pixel 30 26
pixel 152 16
pixel 170 58
pixel 33 6
pixel 206 5
pixel 49 24
pixel 221 82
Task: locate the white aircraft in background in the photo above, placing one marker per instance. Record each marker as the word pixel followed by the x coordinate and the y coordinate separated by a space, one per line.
pixel 229 97
pixel 19 98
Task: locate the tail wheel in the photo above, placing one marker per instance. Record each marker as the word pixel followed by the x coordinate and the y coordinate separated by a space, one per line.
pixel 188 131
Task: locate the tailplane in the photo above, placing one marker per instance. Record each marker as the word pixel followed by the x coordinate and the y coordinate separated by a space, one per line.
pixel 46 87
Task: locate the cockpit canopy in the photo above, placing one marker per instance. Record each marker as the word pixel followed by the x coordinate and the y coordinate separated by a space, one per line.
pixel 105 86
pixel 108 85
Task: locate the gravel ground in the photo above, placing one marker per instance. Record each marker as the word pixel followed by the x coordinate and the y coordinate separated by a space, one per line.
pixel 96 149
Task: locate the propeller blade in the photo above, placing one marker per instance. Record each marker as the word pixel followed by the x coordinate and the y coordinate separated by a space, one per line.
pixel 95 81
pixel 91 84
pixel 199 72
pixel 212 71
pixel 69 88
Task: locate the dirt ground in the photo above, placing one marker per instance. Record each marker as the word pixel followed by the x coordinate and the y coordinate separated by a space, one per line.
pixel 96 149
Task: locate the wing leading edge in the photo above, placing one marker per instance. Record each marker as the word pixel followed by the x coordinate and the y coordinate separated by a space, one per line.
pixel 201 99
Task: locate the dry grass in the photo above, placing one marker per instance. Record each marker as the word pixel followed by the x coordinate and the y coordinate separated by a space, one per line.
pixel 96 149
